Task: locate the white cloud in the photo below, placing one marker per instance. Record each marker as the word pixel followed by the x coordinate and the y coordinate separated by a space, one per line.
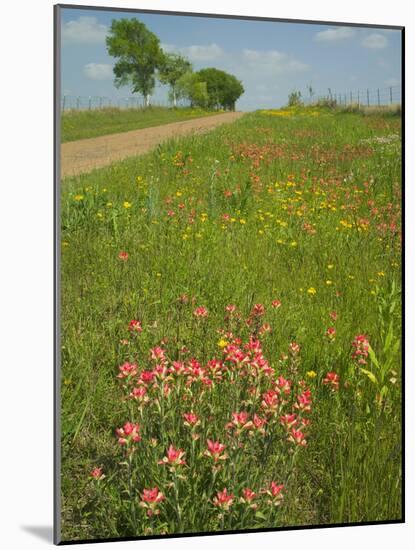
pixel 84 30
pixel 207 52
pixel 335 35
pixel 203 53
pixel 273 62
pixel 251 55
pixel 246 61
pixel 265 74
pixel 375 41
pixel 261 87
pixel 98 71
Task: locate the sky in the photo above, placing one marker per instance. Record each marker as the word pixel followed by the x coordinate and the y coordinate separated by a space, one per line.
pixel 270 58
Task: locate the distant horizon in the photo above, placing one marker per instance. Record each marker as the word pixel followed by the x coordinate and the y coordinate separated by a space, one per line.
pixel 271 58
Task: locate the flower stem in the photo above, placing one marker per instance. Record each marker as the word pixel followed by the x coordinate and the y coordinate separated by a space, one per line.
pixel 130 489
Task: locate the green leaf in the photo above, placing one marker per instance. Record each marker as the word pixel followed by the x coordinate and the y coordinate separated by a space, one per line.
pixel 389 338
pixel 373 358
pixel 395 348
pixel 384 391
pixel 370 375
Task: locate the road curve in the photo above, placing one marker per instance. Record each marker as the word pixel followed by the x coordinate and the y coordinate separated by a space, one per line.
pixel 84 155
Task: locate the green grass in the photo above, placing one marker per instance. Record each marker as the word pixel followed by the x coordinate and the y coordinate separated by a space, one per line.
pixel 100 122
pixel 299 205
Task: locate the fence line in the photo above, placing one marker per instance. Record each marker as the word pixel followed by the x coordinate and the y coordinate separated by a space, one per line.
pixel 82 103
pixel 390 95
pixel 366 97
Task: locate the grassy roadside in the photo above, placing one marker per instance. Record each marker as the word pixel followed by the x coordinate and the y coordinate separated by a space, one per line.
pixel 281 229
pixel 99 122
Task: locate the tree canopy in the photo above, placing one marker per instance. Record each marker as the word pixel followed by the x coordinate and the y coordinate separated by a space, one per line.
pixel 140 60
pixel 139 55
pixel 173 68
pixel 190 87
pixel 223 88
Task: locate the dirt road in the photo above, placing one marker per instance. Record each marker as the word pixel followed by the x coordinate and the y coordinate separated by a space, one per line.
pixel 84 155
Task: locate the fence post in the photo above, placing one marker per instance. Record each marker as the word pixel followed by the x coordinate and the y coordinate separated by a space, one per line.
pixel 89 103
pixel 368 101
pixel 358 98
pixel 351 98
pixel 100 102
pixel 63 103
pixel 390 90
pixel 378 98
pixel 77 103
pixel 345 99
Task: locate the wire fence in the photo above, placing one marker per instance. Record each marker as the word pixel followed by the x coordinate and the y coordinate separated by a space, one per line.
pixel 392 95
pixel 83 103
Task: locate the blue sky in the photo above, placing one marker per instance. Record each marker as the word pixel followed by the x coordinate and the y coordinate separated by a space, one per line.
pixel 270 58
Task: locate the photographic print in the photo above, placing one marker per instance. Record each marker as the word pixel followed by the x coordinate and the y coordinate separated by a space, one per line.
pixel 229 196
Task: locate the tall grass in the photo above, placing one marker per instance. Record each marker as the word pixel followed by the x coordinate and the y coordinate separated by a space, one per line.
pixel 84 124
pixel 292 220
pixel 392 109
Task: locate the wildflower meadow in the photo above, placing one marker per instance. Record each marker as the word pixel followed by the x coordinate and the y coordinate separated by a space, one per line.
pixel 231 330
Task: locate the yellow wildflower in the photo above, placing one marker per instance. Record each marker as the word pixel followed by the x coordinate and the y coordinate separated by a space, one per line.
pixel 222 343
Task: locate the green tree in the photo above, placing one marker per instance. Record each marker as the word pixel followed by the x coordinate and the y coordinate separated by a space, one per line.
pixel 173 67
pixel 233 91
pixel 139 55
pixel 190 87
pixel 223 88
pixel 199 95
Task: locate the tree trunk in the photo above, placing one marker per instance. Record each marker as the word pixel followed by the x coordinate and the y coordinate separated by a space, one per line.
pixel 174 99
pixel 147 98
